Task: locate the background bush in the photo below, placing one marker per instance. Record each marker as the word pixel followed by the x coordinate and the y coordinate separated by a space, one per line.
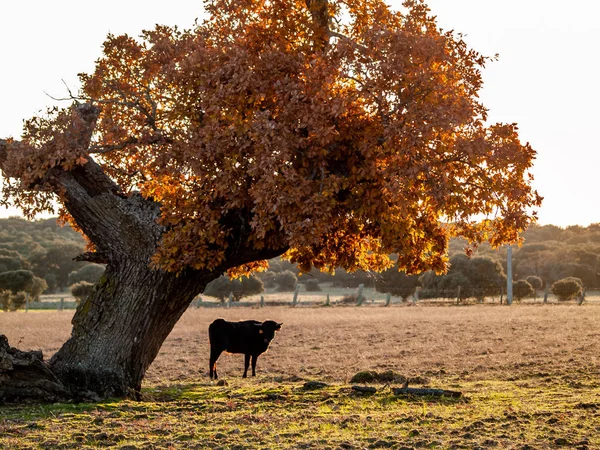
pixel 239 288
pixel 522 289
pixel 81 290
pixel 312 285
pixel 286 281
pixel 10 301
pixel 567 288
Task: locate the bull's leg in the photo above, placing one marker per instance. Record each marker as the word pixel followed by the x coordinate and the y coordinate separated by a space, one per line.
pixel 214 355
pixel 254 358
pixel 246 364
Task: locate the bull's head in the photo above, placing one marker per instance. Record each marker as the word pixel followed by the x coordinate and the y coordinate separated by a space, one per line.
pixel 267 329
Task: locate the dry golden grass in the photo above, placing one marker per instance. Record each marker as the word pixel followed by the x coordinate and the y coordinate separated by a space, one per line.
pixel 334 343
pixel 471 342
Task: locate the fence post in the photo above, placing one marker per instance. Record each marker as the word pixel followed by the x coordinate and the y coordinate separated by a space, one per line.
pixel 295 299
pixel 509 276
pixel 62 304
pixel 388 299
pixel 360 298
pixel 26 302
pixel 545 296
pixel 415 297
pixel 327 301
pixel 229 300
pixel 581 298
pixel 262 301
pixel 458 296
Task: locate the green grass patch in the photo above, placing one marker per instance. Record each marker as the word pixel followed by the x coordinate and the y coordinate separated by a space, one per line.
pixel 257 413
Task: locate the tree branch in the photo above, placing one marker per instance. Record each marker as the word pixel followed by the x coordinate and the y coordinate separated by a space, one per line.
pixel 115 222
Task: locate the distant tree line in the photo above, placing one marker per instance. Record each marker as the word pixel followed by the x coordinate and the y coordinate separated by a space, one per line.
pixel 38 257
pixel 564 261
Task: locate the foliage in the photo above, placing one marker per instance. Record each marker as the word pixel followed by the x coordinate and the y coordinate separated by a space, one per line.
pixel 268 278
pixel 12 301
pixel 567 288
pixel 397 283
pixel 554 253
pixel 27 237
pixel 82 290
pixel 90 273
pixel 11 260
pixel 38 288
pixel 346 279
pixel 219 288
pixel 17 280
pixel 57 261
pixel 536 282
pixel 312 285
pixel 522 289
pixel 477 277
pixel 343 131
pixel 286 281
pixel 240 288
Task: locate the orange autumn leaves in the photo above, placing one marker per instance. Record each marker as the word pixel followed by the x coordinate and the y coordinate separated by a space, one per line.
pixel 343 140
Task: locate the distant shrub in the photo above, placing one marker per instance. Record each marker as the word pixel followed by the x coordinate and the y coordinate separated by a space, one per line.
pixel 38 288
pixel 535 282
pixel 397 283
pixel 90 273
pixel 370 376
pixel 18 300
pixel 81 290
pixel 5 300
pixel 246 286
pixel 12 301
pixel 567 288
pixel 522 289
pixel 16 280
pixel 239 288
pixel 268 278
pixel 286 281
pixel 312 285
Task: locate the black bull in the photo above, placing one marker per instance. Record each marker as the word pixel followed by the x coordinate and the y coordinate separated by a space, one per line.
pixel 249 337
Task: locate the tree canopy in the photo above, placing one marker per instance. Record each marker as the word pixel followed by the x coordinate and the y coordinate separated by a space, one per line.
pixel 341 132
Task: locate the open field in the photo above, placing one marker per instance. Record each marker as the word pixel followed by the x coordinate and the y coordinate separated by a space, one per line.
pixel 530 375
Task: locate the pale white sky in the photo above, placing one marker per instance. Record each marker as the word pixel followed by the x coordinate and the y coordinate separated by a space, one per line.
pixel 547 78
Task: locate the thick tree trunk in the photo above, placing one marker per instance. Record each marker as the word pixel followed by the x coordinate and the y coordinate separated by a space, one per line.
pixel 117 333
pixel 119 329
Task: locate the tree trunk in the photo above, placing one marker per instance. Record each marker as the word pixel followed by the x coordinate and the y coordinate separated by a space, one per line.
pixel 117 333
pixel 119 329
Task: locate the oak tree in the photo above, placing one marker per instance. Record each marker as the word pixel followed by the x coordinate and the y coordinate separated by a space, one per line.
pixel 333 131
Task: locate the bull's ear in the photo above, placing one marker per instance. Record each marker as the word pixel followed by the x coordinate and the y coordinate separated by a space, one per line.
pixel 278 327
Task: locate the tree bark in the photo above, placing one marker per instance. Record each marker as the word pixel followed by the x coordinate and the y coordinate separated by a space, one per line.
pixel 119 329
